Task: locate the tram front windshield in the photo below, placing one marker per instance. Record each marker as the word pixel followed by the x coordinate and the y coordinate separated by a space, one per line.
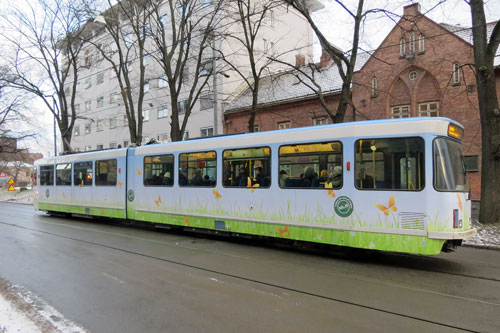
pixel 449 167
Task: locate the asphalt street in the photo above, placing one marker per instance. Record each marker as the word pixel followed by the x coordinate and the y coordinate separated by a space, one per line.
pixel 109 277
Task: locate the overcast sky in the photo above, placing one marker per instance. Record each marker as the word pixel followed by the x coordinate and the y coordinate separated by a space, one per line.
pixel 337 25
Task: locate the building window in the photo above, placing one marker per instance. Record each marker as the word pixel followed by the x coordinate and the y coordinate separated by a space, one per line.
pixel 207 131
pixel 77 108
pixel 112 145
pixel 105 173
pixel 456 73
pixel 129 40
pixel 182 106
pixel 88 83
pixel 125 121
pixel 100 77
pixel 77 130
pixel 390 164
pixel 88 148
pixel 320 121
pixel 162 111
pixel 163 21
pixel 146 86
pixel 400 111
pixel 88 105
pixel 471 163
pixel 198 169
pixel 247 167
pixel 206 68
pixel 145 115
pixel 256 128
pixel 158 170
pixel 206 101
pixel 145 59
pixel 411 42
pixel 413 75
pixel 185 74
pixel 112 123
pixel 88 127
pixel 113 97
pixel 162 137
pixel 162 81
pixel 402 47
pixel 313 165
pixel 125 144
pixel 429 109
pixel 100 125
pixel 99 147
pixel 421 44
pixel 284 125
pixel 100 101
pixel 374 87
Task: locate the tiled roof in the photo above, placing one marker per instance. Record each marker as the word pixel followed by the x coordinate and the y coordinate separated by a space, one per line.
pixel 466 35
pixel 286 86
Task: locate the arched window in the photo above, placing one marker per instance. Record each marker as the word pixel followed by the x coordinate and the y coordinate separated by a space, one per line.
pixel 411 42
pixel 421 44
pixel 456 73
pixel 374 87
pixel 402 47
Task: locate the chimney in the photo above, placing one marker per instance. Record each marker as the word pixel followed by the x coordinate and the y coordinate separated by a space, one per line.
pixel 300 60
pixel 412 10
pixel 325 58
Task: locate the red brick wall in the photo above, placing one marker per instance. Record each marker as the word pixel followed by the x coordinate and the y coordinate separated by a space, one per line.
pixel 434 80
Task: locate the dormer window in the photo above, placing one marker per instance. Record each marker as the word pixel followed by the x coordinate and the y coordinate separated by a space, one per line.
pixel 411 43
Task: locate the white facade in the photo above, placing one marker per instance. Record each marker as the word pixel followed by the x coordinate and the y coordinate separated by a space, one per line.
pixel 102 122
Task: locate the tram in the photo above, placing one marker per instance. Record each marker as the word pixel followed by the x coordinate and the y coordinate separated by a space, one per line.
pixel 392 185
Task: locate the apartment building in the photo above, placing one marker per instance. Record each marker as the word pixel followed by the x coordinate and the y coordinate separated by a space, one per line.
pixel 102 122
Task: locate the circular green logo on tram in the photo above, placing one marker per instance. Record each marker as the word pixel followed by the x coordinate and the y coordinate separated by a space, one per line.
pixel 130 195
pixel 343 206
pixel 47 193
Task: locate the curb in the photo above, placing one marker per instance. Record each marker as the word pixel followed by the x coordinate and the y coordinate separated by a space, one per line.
pixel 484 247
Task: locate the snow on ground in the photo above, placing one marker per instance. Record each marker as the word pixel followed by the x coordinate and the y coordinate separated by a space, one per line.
pixel 22 311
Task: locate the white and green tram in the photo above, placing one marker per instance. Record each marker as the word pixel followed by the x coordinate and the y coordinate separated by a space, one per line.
pixel 392 185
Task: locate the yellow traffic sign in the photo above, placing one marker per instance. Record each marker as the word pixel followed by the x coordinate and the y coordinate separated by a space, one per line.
pixel 11 181
pixel 11 188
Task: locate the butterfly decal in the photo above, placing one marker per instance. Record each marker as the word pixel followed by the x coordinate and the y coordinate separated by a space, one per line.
pixel 186 220
pixel 390 208
pixel 283 232
pixel 459 201
pixel 249 184
pixel 216 194
pixel 64 195
pixel 158 202
pixel 120 183
pixel 329 190
pixel 139 172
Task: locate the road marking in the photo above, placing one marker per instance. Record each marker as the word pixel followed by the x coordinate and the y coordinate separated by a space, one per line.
pixel 114 278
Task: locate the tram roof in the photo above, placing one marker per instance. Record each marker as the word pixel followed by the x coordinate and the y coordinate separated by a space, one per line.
pixel 361 129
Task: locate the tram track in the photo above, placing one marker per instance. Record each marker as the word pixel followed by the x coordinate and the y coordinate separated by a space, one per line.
pixel 262 282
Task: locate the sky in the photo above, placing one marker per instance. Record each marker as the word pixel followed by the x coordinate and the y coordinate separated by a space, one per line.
pixel 337 26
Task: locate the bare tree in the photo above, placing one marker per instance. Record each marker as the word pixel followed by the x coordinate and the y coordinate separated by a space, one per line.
pixel 44 40
pixel 345 61
pixel 249 18
pixel 484 55
pixel 127 25
pixel 184 37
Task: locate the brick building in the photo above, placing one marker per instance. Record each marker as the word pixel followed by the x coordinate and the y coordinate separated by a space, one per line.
pixel 422 68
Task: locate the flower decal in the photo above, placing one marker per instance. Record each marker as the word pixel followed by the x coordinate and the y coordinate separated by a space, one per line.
pixel 390 208
pixel 139 172
pixel 186 220
pixel 459 201
pixel 283 232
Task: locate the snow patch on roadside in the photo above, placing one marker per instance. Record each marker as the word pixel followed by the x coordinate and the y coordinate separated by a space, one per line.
pixel 23 311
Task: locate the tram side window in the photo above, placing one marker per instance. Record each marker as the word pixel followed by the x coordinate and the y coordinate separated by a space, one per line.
pixel 390 164
pixel 105 173
pixel 247 167
pixel 314 165
pixel 82 174
pixel 159 170
pixel 198 169
pixel 47 175
pixel 63 174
